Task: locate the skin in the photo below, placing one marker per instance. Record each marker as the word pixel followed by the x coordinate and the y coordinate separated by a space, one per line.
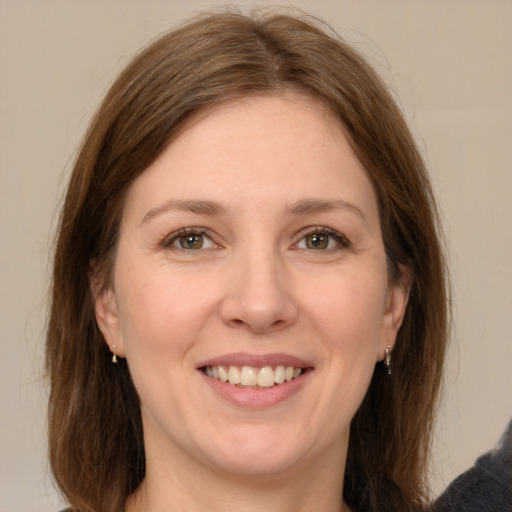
pixel 258 286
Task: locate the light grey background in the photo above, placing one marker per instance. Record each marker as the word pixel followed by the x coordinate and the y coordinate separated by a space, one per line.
pixel 449 62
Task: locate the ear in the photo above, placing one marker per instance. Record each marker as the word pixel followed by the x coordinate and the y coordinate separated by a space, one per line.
pixel 396 304
pixel 107 315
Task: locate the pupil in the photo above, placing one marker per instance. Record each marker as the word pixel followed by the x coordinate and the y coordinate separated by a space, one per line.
pixel 192 241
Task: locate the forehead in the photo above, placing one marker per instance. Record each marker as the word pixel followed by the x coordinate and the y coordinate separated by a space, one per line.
pixel 270 105
pixel 260 148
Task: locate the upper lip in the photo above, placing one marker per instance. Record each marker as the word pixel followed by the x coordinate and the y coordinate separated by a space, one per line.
pixel 256 360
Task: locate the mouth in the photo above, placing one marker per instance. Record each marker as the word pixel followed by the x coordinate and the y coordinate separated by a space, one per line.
pixel 256 381
pixel 253 377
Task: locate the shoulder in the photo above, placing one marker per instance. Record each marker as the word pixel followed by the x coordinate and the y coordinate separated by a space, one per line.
pixel 487 486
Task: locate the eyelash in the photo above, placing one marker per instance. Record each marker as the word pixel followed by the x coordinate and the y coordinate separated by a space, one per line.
pixel 169 241
pixel 340 239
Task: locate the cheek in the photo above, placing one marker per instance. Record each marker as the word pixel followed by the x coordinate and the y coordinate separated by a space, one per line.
pixel 161 311
pixel 350 309
pixel 349 317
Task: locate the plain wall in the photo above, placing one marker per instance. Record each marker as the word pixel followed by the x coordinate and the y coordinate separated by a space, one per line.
pixel 450 64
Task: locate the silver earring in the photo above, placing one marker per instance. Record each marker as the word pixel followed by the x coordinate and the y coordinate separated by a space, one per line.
pixel 114 357
pixel 387 359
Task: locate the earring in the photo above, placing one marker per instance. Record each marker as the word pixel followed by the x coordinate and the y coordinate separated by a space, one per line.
pixel 114 357
pixel 387 359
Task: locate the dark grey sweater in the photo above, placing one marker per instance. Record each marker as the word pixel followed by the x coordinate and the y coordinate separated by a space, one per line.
pixel 486 487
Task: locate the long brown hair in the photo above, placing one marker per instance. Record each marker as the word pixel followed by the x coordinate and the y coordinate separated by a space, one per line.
pixel 95 429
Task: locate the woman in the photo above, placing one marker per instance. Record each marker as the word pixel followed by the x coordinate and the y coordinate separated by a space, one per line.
pixel 248 304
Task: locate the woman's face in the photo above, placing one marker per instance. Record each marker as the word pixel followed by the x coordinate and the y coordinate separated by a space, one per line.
pixel 250 292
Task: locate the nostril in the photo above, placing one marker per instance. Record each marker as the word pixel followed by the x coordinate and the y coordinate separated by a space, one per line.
pixel 237 322
pixel 255 326
pixel 257 313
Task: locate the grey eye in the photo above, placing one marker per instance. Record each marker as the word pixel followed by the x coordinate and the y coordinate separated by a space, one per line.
pixel 317 241
pixel 192 241
pixel 322 239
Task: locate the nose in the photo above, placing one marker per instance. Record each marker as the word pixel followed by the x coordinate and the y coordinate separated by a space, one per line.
pixel 258 294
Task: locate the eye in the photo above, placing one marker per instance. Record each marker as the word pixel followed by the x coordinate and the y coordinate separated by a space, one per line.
pixel 322 239
pixel 189 239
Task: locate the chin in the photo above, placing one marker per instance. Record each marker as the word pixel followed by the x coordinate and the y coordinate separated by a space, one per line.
pixel 258 452
pixel 256 465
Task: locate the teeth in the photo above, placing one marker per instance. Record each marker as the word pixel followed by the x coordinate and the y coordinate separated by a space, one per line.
pixel 248 376
pixel 279 375
pixel 264 377
pixel 234 375
pixel 223 374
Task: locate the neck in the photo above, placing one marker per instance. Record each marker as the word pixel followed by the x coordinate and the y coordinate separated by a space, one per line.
pixel 316 486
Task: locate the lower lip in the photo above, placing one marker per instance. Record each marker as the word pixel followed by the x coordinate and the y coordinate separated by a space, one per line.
pixel 258 398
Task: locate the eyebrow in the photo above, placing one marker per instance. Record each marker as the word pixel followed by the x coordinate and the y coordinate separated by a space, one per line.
pixel 314 205
pixel 212 208
pixel 199 207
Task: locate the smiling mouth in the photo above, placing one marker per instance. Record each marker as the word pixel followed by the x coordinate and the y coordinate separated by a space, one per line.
pixel 253 377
